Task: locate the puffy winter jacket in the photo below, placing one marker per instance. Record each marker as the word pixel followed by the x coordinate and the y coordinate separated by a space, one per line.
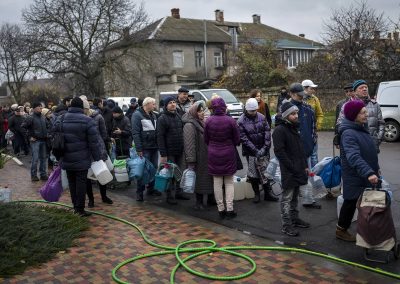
pixel 358 161
pixel 315 105
pixel 255 134
pixel 144 130
pixel 102 131
pixel 81 140
pixel 170 134
pixel 36 126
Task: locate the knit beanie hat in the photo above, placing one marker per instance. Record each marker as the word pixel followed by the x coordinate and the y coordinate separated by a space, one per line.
pixel 168 99
pixel 110 104
pixel 77 102
pixel 251 104
pixel 288 108
pixel 358 83
pixel 352 108
pixel 117 109
pixel 34 105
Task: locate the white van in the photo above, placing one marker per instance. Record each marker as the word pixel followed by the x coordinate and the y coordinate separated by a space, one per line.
pixel 123 102
pixel 234 106
pixel 388 97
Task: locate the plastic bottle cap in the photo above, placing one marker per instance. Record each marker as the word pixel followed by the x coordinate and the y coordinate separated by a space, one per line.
pixel 311 174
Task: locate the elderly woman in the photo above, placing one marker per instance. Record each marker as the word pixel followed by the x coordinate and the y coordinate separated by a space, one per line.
pixel 255 136
pixel 221 134
pixel 360 168
pixel 196 152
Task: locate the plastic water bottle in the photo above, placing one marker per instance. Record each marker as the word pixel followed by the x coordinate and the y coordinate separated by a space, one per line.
pixel 317 185
pixel 271 169
pixel 386 187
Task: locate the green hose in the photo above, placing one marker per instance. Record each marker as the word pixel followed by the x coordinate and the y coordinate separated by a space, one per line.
pixel 198 251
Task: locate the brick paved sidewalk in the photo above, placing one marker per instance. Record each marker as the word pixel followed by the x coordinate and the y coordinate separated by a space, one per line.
pixel 108 242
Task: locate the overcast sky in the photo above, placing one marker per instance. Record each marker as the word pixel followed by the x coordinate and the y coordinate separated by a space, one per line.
pixel 305 16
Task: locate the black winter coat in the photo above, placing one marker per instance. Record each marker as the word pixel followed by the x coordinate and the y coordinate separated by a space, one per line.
pixel 359 160
pixel 144 130
pixel 170 134
pixel 289 150
pixel 36 126
pixel 81 140
pixel 15 124
pixel 124 139
pixel 102 131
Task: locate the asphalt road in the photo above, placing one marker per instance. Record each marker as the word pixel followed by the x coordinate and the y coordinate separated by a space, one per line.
pixel 263 219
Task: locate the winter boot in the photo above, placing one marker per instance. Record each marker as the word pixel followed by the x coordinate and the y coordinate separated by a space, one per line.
pixel 343 234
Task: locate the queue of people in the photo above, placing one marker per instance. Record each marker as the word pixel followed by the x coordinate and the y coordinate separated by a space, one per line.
pixel 204 138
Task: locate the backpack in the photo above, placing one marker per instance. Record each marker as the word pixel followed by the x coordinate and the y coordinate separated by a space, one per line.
pixel 331 173
pixel 57 139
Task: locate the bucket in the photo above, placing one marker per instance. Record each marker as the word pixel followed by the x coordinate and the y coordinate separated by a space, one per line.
pixel 101 172
pixel 120 170
pixel 161 183
pixel 122 177
pixel 339 206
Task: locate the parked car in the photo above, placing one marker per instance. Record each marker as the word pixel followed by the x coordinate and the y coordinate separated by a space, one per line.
pixel 388 97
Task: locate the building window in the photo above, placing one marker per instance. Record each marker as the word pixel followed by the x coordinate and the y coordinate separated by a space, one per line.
pixel 198 58
pixel 218 59
pixel 178 58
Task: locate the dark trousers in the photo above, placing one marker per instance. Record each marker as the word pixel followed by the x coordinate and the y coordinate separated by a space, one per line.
pixel 19 144
pixel 174 188
pixel 289 201
pixel 89 190
pixel 346 213
pixel 77 181
pixel 152 156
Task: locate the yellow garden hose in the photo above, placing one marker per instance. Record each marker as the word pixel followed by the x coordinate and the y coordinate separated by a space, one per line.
pixel 212 247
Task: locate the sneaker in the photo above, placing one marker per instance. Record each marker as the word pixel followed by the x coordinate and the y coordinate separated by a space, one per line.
pixel 44 178
pixel 153 192
pixel 83 213
pixel 34 178
pixel 290 231
pixel 301 224
pixel 231 214
pixel 344 235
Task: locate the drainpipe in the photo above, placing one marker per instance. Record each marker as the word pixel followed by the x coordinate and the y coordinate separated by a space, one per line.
pixel 205 48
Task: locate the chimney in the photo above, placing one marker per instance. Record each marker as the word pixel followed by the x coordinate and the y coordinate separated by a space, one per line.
pixel 175 13
pixel 302 35
pixel 356 35
pixel 396 36
pixel 256 19
pixel 125 33
pixel 219 16
pixel 377 34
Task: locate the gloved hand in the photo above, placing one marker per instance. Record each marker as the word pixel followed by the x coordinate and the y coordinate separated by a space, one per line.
pixel 260 153
pixel 191 166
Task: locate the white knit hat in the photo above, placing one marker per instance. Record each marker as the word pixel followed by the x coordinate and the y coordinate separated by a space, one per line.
pixel 251 104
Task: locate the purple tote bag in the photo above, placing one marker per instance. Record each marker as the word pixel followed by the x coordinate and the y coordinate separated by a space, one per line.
pixel 52 190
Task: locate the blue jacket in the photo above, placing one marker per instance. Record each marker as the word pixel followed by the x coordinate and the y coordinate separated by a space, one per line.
pixel 255 134
pixel 359 158
pixel 307 127
pixel 81 140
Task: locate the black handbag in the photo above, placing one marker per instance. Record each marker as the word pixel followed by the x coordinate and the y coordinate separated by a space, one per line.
pixel 239 164
pixel 57 139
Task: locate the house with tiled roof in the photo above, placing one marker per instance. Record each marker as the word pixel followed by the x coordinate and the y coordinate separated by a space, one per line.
pixel 193 52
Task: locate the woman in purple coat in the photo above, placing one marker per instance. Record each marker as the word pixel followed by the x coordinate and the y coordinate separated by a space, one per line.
pixel 221 134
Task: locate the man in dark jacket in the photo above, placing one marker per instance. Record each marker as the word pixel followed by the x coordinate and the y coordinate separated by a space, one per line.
pixel 170 142
pixel 81 147
pixel 132 108
pixel 121 132
pixel 37 128
pixel 144 134
pixel 15 125
pixel 289 150
pixel 183 103
pixel 284 95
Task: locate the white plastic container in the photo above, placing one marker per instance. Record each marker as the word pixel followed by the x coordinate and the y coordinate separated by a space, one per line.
pixel 238 188
pixel 121 177
pixel 5 195
pixel 64 179
pixel 90 174
pixel 101 172
pixel 109 164
pixel 339 206
pixel 120 170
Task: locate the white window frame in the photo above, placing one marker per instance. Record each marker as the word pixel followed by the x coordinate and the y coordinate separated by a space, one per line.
pixel 198 59
pixel 218 61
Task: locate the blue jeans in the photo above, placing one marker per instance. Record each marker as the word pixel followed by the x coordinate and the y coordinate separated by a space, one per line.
pixel 314 155
pixel 289 201
pixel 38 149
pixel 152 156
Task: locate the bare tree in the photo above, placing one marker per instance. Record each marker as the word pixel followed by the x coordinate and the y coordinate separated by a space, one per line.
pixel 74 34
pixel 16 51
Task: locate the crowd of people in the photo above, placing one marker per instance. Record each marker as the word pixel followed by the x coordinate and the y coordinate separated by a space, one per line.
pixel 203 137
